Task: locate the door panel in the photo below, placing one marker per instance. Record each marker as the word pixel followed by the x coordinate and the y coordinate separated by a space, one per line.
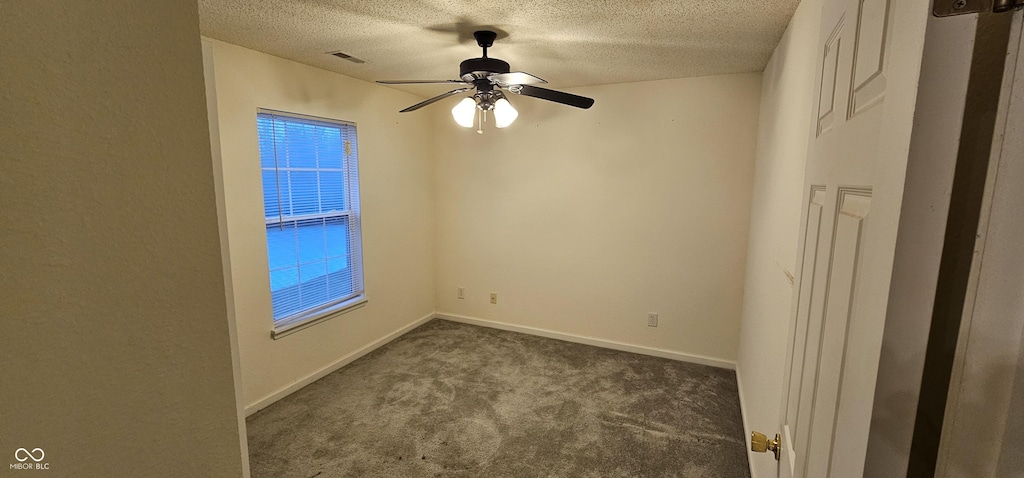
pixel 806 290
pixel 869 55
pixel 829 76
pixel 852 211
pixel 801 334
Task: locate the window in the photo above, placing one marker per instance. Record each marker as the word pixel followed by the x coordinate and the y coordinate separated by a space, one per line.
pixel 311 205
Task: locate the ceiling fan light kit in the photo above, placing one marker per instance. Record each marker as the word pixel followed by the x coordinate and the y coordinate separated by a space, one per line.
pixel 489 77
pixel 504 113
pixel 464 112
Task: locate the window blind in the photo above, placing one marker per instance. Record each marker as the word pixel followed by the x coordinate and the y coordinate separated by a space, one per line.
pixel 311 208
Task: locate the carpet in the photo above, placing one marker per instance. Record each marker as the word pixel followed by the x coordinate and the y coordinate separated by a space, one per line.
pixel 455 400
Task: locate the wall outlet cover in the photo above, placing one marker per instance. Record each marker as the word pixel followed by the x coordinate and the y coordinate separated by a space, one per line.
pixel 652 320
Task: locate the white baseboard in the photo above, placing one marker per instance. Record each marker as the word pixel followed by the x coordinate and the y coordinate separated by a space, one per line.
pixel 331 367
pixel 746 423
pixel 581 339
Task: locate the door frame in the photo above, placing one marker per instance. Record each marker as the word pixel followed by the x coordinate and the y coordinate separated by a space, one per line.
pixel 988 366
pixel 954 150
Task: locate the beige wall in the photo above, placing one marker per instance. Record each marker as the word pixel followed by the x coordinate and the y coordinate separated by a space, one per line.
pixel 786 97
pixel 113 330
pixel 583 221
pixel 395 171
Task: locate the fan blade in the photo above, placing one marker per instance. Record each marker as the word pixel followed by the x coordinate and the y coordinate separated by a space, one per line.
pixel 434 99
pixel 556 96
pixel 515 78
pixel 418 82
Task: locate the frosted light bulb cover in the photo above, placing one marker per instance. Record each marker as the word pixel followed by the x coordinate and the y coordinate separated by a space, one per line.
pixel 465 112
pixel 504 113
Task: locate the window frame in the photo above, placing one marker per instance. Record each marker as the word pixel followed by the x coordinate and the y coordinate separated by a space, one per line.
pixel 350 176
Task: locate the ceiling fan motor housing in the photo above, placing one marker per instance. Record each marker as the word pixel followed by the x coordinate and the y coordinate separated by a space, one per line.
pixel 480 68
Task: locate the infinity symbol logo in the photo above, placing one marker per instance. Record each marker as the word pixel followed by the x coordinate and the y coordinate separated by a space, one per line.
pixel 29 454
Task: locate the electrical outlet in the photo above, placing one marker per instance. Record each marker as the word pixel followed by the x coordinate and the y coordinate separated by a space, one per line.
pixel 462 293
pixel 494 297
pixel 652 319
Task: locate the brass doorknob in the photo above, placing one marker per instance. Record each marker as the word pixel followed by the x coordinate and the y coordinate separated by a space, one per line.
pixel 759 443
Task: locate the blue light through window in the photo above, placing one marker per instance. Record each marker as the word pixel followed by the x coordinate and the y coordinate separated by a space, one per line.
pixel 311 205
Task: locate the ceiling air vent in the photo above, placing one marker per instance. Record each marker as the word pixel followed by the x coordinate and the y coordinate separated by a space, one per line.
pixel 346 56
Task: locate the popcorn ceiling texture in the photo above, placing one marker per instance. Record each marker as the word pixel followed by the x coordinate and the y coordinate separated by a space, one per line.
pixel 569 43
pixel 457 400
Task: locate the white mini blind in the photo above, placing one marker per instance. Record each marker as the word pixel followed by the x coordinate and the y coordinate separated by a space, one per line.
pixel 311 205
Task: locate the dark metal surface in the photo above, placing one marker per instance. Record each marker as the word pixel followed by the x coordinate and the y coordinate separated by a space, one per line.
pixel 481 68
pixel 1001 6
pixel 945 8
pixel 484 38
pixel 556 96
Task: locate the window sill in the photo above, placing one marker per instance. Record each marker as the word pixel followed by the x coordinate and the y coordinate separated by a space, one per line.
pixel 299 323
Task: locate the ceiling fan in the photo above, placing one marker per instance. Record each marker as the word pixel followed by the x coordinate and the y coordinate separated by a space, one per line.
pixel 489 77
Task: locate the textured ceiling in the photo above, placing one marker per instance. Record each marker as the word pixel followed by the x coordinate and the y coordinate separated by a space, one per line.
pixel 569 43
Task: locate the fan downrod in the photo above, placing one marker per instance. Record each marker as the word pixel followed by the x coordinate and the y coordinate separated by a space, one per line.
pixel 485 38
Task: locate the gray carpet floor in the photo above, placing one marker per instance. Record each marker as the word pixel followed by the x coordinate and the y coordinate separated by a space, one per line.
pixel 450 399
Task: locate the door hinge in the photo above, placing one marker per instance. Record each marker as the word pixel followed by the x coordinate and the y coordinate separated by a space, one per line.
pixel 946 8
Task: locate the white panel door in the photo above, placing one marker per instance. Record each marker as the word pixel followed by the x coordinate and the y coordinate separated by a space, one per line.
pixel 869 59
